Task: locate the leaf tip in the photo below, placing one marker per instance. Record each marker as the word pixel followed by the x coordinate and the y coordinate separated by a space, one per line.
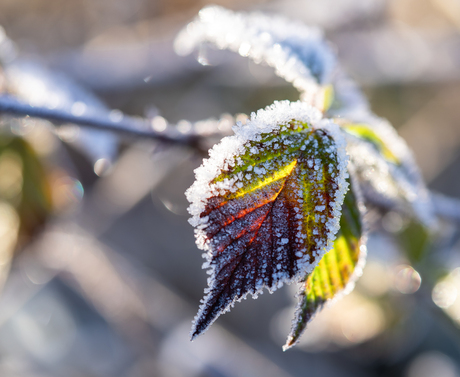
pixel 290 342
pixel 196 330
pixel 193 334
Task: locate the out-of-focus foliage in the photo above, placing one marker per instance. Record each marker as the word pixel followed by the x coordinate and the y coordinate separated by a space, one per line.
pixel 25 197
pixel 24 185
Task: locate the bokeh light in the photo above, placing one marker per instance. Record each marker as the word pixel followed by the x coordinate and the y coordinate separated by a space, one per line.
pixel 445 295
pixel 67 191
pixel 406 279
pixel 432 363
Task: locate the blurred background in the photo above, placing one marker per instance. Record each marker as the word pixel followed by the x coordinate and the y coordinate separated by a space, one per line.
pixel 106 278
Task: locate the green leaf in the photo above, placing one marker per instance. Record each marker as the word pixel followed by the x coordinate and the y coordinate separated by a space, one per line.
pixel 267 204
pixel 337 270
pixel 36 204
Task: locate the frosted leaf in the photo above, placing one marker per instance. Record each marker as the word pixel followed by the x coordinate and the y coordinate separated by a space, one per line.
pixel 336 273
pixel 387 170
pixel 298 53
pixel 250 227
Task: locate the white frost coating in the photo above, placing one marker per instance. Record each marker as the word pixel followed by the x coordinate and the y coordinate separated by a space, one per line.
pixel 405 178
pixel 359 267
pixel 333 224
pixel 221 155
pixel 386 184
pixel 373 171
pixel 409 171
pixel 298 53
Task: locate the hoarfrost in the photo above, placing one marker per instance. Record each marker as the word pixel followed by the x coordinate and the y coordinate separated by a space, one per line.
pixel 388 184
pixel 298 53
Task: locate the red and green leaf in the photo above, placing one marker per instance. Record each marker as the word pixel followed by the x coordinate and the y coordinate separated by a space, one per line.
pixel 336 272
pixel 269 209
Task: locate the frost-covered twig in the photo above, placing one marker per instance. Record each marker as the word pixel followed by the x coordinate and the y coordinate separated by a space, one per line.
pixel 116 122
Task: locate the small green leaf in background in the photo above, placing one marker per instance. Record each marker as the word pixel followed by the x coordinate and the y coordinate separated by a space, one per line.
pixel 337 270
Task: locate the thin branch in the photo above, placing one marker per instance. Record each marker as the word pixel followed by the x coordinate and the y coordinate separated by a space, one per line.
pixel 445 207
pixel 123 124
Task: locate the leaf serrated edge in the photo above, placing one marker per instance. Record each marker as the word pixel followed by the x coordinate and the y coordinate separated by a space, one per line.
pixel 293 339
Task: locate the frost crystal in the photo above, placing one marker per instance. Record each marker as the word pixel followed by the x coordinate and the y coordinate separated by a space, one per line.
pixel 222 154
